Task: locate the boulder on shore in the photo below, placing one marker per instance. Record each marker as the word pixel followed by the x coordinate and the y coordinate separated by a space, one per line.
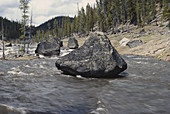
pixel 134 43
pixel 97 58
pixel 124 42
pixel 72 43
pixel 8 45
pixel 49 48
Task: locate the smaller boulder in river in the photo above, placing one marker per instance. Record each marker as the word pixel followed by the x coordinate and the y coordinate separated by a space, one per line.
pixel 134 43
pixel 49 48
pixel 72 43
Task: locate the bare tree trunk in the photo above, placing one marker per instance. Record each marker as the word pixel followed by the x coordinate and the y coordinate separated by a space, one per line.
pixel 24 41
pixel 24 28
pixel 30 34
pixel 28 43
pixel 3 41
pixel 3 50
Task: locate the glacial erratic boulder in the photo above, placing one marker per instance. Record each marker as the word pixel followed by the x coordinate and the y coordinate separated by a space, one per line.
pixel 72 43
pixel 134 43
pixel 97 58
pixel 49 48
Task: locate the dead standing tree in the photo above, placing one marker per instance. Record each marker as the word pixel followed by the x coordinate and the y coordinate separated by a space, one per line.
pixel 30 34
pixel 3 38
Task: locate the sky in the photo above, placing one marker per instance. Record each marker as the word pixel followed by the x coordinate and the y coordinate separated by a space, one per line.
pixel 42 10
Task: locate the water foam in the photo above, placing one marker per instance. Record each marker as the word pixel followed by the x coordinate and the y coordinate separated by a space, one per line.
pixel 5 109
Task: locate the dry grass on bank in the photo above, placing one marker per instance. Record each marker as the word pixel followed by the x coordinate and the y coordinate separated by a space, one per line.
pixel 156 42
pixel 23 58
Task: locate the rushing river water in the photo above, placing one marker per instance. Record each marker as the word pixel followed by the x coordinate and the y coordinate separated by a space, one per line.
pixel 37 87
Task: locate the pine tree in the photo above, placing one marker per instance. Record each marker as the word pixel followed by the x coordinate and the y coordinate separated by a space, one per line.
pixel 38 36
pixel 161 3
pixel 99 15
pixel 68 26
pixel 94 15
pixel 109 20
pixel 131 12
pixel 42 35
pixel 92 19
pixel 153 9
pixel 88 17
pixel 75 24
pixel 166 9
pixel 49 29
pixel 82 23
pixel 24 8
pixel 55 28
pixel 138 13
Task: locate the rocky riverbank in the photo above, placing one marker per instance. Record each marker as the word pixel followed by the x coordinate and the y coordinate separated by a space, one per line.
pixel 152 41
pixel 155 42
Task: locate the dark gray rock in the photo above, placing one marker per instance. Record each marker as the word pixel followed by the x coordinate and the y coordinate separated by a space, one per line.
pixel 134 43
pixel 142 31
pixel 8 45
pixel 61 43
pixel 97 58
pixel 72 43
pixel 49 48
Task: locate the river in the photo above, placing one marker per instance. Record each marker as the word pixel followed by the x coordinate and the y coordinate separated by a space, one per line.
pixel 38 87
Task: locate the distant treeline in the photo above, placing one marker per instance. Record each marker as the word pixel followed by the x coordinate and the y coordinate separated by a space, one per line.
pixel 11 29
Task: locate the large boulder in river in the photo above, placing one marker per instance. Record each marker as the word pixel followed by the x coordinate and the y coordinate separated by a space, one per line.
pixel 72 43
pixel 97 58
pixel 134 43
pixel 49 48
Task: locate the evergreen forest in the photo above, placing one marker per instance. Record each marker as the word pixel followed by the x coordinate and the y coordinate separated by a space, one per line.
pixel 104 16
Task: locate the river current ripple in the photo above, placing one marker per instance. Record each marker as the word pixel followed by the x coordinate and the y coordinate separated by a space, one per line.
pixel 38 87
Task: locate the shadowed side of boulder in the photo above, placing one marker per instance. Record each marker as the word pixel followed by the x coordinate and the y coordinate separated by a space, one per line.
pixel 97 58
pixel 72 43
pixel 134 43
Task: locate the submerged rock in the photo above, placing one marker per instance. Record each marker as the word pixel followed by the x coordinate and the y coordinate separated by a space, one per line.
pixel 134 43
pixel 72 43
pixel 97 58
pixel 49 48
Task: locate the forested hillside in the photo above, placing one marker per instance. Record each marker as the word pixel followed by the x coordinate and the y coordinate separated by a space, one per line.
pixel 11 29
pixel 111 13
pixel 107 15
pixel 58 26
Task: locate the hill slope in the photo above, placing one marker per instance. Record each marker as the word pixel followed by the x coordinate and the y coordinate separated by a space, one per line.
pixel 44 26
pixel 11 29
